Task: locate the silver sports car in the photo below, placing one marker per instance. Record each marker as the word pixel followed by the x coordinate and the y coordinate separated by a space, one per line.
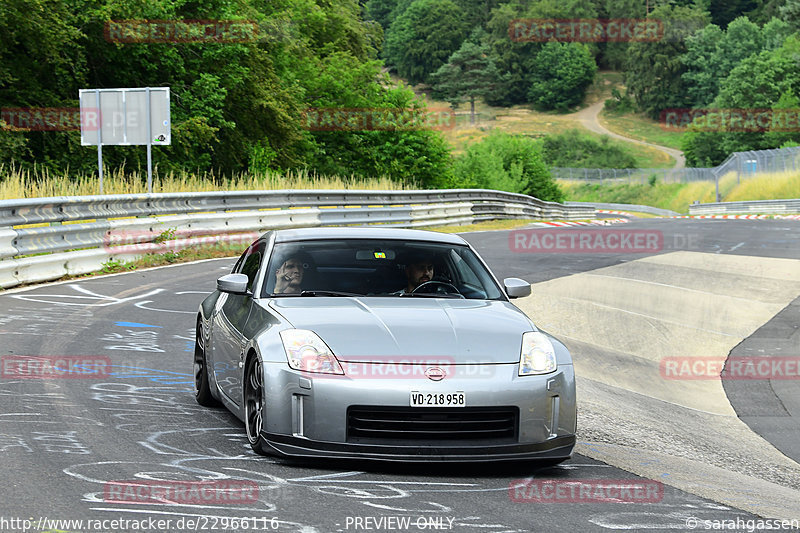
pixel 377 343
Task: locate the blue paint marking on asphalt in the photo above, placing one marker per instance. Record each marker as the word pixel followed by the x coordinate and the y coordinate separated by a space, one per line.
pixel 158 376
pixel 189 346
pixel 134 325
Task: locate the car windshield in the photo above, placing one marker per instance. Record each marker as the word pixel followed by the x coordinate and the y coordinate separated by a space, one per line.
pixel 377 267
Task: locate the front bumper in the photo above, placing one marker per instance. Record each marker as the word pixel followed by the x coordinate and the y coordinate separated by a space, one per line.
pixel 290 446
pixel 307 415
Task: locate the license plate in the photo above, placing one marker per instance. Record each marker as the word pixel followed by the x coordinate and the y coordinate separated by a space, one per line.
pixel 438 399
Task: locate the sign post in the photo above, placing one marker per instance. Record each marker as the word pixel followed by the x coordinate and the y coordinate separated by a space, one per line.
pixel 125 117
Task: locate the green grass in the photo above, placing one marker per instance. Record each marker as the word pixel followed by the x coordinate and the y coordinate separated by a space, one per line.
pixel 637 126
pixel 678 196
pixel 196 253
pixel 487 225
pixel 646 157
pixel 523 120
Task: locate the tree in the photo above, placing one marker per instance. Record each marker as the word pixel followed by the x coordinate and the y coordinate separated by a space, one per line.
pixel 775 32
pixel 469 73
pixel 421 39
pixel 763 81
pixel 613 54
pixel 508 163
pixel 514 59
pixel 477 12
pixel 380 11
pixel 517 58
pixel 724 11
pixel 235 105
pixel 790 12
pixel 702 72
pixel 562 74
pixel 712 54
pixel 654 68
pixel 782 132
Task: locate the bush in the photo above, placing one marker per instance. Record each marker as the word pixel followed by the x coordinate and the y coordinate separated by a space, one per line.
pixel 562 74
pixel 508 163
pixel 574 149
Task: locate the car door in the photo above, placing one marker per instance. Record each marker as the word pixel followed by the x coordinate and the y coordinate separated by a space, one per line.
pixel 229 325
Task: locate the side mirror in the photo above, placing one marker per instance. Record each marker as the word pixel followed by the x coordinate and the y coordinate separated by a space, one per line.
pixel 517 288
pixel 233 283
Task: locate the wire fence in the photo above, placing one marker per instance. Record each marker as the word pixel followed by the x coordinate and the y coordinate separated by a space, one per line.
pixel 743 164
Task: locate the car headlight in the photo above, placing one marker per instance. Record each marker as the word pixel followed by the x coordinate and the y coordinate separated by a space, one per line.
pixel 538 355
pixel 308 353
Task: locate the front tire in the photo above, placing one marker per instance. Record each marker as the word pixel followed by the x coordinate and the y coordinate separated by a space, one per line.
pixel 202 388
pixel 254 405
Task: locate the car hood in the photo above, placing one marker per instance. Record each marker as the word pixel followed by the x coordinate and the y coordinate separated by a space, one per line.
pixel 411 329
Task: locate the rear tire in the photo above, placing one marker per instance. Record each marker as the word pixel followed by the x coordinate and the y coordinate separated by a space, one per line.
pixel 254 405
pixel 202 388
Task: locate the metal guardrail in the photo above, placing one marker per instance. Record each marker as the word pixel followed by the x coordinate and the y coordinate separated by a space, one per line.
pixel 784 207
pixel 627 207
pixel 79 234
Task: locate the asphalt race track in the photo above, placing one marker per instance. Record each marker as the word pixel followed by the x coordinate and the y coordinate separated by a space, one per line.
pixel 713 285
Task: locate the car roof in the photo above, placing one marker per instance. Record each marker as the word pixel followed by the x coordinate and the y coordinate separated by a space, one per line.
pixel 303 234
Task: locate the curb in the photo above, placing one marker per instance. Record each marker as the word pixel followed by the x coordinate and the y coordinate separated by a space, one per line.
pixel 563 224
pixel 748 217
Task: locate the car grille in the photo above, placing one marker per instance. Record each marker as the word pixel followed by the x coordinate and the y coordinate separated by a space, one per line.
pixel 432 425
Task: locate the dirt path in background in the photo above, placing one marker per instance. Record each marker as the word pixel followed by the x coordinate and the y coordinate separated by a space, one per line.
pixel 588 119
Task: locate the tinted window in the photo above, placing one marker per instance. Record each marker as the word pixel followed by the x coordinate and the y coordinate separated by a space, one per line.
pixel 249 262
pixel 252 263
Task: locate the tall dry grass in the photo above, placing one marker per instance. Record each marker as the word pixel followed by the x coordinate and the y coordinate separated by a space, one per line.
pixel 678 196
pixel 779 186
pixel 37 182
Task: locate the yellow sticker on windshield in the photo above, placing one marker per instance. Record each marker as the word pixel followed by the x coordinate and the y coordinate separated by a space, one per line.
pixel 380 255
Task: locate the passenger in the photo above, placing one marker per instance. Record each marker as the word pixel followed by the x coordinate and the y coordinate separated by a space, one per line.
pixel 289 276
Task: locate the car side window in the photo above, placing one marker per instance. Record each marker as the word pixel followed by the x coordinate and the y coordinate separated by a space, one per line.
pixel 466 274
pixel 252 263
pixel 237 268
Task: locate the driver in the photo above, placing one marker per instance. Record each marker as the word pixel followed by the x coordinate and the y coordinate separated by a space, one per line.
pixel 289 276
pixel 418 271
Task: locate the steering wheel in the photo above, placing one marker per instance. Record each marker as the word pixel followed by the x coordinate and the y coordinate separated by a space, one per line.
pixel 440 287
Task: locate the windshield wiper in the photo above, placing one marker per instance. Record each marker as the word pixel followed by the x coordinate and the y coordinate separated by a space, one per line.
pixel 330 293
pixel 431 295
